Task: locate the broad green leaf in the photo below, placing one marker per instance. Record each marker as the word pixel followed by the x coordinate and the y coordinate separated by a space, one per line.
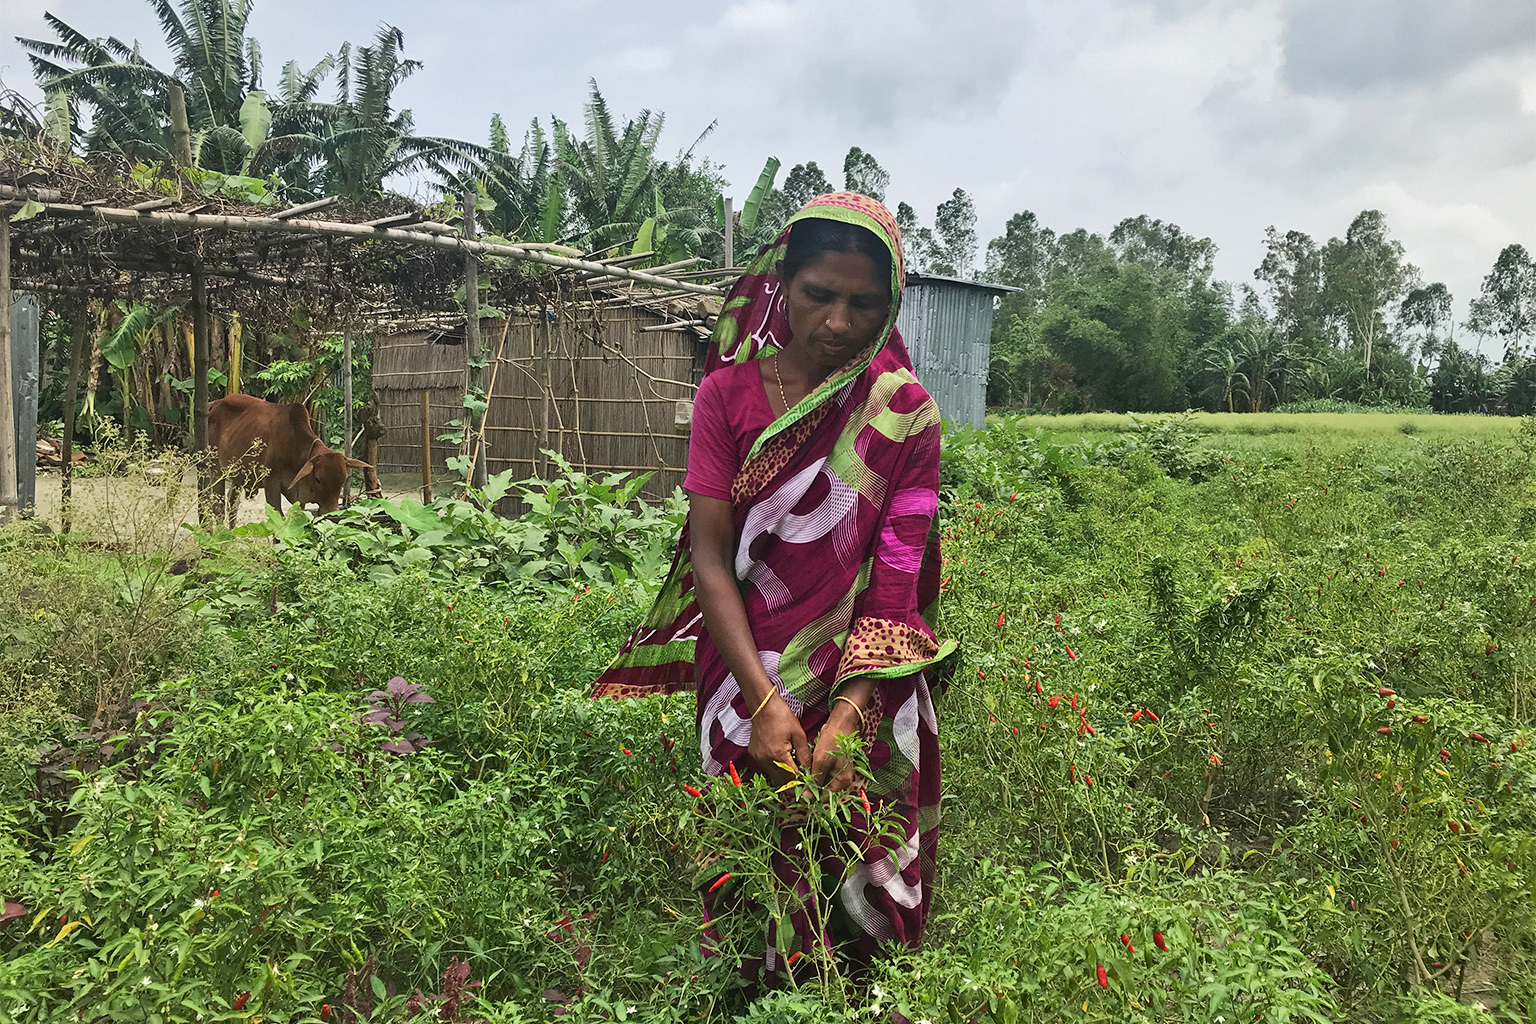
pixel 29 209
pixel 645 241
pixel 754 203
pixel 56 118
pixel 255 123
pixel 121 347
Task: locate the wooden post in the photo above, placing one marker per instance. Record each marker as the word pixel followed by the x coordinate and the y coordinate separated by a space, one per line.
pixel 26 323
pixel 474 351
pixel 346 416
pixel 200 353
pixel 426 448
pixel 730 234
pixel 547 385
pixel 79 352
pixel 8 498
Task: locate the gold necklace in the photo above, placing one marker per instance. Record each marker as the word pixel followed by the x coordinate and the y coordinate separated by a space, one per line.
pixel 782 396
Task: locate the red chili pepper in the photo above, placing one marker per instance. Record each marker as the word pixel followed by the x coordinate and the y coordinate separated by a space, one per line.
pixel 214 895
pixel 1421 719
pixel 1490 649
pixel 1054 700
pixel 868 810
pixel 1384 692
pixel 1136 717
pixel 1071 773
pixel 1478 737
pixel 1454 826
pixel 627 751
pixel 1152 714
pixel 1074 702
pixel 1125 940
pixel 720 881
pixel 1391 703
pixel 1000 620
pixel 1103 977
pixel 605 857
pixel 239 1004
pixel 735 778
pixel 1086 727
pixel 1012 496
pixel 1088 780
pixel 325 1011
pixel 1070 652
pixel 1385 730
pixel 792 958
pixel 1445 755
pixel 1038 688
pixel 1159 941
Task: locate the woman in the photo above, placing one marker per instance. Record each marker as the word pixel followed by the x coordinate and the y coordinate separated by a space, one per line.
pixel 810 554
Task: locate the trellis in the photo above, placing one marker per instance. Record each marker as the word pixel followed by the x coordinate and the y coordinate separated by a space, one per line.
pixel 89 231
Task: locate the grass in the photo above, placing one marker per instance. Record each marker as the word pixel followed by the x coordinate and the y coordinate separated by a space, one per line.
pixel 1317 427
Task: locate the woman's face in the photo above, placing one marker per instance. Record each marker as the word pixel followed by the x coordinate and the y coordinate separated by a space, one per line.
pixel 836 306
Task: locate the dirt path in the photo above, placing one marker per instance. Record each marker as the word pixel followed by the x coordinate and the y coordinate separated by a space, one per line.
pixel 107 507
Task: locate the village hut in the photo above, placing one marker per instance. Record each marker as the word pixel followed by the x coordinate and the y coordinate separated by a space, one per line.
pixel 947 325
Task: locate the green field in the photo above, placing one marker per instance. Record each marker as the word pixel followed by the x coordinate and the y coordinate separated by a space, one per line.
pixel 1303 644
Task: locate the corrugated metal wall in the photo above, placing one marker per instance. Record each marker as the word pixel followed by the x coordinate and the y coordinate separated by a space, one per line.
pixel 948 331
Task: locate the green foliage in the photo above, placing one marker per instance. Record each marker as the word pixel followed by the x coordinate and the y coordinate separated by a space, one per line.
pixel 1169 723
pixel 577 530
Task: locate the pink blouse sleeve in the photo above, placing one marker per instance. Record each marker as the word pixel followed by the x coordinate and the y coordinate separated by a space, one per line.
pixel 712 457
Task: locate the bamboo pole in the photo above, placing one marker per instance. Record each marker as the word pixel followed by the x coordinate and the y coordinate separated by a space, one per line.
pixel 474 355
pixel 426 448
pixel 346 405
pixel 181 131
pixel 79 352
pixel 200 358
pixel 270 225
pixel 730 233
pixel 8 498
pixel 479 456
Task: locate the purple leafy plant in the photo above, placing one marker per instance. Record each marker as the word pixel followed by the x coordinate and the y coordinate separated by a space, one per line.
pixel 387 707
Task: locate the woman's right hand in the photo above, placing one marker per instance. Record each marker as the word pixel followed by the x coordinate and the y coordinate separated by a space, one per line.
pixel 777 740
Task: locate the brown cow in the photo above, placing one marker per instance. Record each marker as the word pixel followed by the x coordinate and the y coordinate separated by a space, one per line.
pixel 260 442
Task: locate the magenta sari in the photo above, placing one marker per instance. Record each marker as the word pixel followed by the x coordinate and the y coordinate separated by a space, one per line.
pixel 837 558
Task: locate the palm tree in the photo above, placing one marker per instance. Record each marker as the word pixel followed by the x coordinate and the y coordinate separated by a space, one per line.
pixel 525 187
pixel 216 64
pixel 617 186
pixel 358 141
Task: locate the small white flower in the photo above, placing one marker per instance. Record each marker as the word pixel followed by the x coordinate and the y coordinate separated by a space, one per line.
pixel 226 868
pixel 271 752
pixel 146 982
pixel 288 727
pixel 199 904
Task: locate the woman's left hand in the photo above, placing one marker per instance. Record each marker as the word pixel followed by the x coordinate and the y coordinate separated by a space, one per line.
pixel 830 770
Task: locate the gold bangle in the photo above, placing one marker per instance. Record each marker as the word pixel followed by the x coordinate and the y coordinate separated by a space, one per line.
pixel 857 710
pixel 766 698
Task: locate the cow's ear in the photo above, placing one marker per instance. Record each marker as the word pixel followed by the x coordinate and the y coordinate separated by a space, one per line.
pixel 309 467
pixel 357 464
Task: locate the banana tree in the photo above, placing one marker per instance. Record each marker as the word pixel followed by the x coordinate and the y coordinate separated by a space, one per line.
pixel 352 145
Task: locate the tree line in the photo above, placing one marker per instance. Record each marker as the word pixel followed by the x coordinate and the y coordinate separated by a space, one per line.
pixel 1131 320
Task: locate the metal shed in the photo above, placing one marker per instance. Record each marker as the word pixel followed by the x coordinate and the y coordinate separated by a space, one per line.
pixel 947 325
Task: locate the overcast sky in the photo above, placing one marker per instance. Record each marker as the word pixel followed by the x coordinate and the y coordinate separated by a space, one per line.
pixel 1224 116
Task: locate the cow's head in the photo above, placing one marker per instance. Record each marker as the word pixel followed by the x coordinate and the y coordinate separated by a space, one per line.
pixel 320 480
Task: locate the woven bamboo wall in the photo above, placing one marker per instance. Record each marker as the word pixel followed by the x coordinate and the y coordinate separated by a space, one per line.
pixel 586 382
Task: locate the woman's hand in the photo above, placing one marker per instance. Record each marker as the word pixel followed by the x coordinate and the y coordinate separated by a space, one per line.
pixel 830 770
pixel 778 739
